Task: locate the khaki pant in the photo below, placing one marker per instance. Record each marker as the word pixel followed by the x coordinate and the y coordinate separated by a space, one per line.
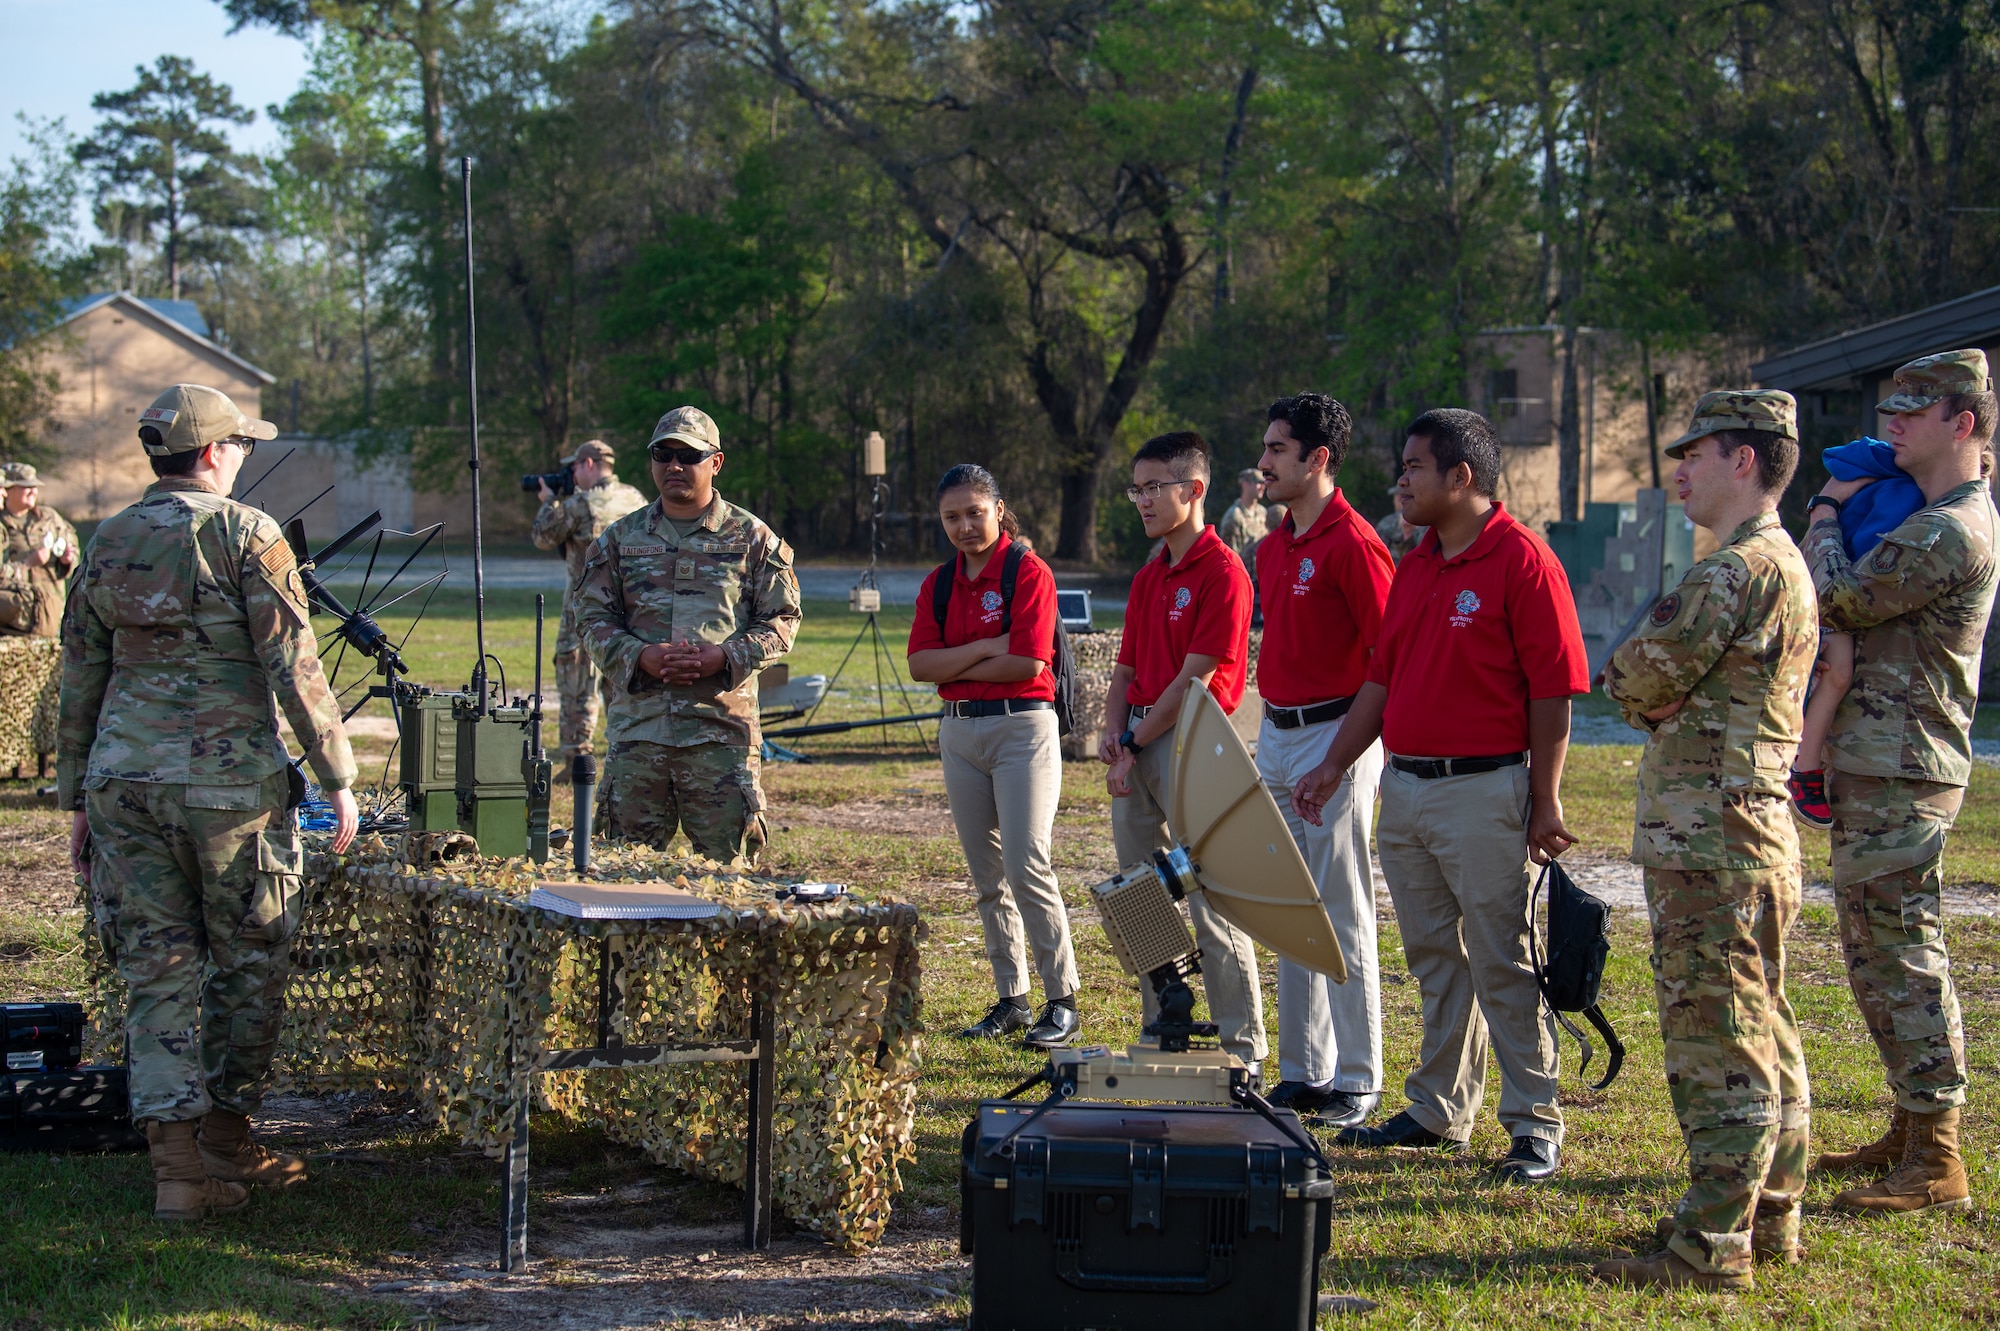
pixel 1330 1032
pixel 1228 959
pixel 1003 775
pixel 1454 853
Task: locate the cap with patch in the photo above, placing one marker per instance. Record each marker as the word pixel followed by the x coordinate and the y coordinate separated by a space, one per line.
pixel 591 448
pixel 1771 410
pixel 690 425
pixel 17 473
pixel 189 416
pixel 1931 379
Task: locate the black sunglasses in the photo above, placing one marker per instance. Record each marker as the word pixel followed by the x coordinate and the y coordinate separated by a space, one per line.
pixel 687 457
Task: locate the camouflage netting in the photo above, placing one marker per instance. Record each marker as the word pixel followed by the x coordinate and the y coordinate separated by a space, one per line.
pixel 443 982
pixel 30 670
pixel 1096 654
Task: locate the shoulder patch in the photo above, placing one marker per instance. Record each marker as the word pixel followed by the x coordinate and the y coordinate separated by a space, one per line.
pixel 1887 556
pixel 277 560
pixel 1666 608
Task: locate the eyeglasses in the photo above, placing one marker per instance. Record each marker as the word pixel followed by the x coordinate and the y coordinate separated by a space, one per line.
pixel 242 441
pixel 687 457
pixel 1151 489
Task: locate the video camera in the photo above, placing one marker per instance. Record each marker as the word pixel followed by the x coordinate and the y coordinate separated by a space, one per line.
pixel 560 483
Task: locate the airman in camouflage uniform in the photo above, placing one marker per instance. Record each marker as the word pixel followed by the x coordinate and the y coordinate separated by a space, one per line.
pixel 186 617
pixel 570 523
pixel 681 604
pixel 1899 756
pixel 37 551
pixel 1718 674
pixel 1242 525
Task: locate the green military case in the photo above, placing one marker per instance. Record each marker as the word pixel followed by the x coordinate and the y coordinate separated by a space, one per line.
pixel 430 760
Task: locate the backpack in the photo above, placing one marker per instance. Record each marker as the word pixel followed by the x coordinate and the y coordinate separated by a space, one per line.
pixel 1064 665
pixel 1572 972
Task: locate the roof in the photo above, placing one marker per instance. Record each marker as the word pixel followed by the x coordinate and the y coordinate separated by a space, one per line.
pixel 1870 352
pixel 177 318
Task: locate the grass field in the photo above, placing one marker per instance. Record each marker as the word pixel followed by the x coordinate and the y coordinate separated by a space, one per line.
pixel 1428 1239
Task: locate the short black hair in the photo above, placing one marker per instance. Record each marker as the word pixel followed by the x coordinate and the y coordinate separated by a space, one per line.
pixel 1182 450
pixel 1316 421
pixel 168 464
pixel 1460 436
pixel 1777 456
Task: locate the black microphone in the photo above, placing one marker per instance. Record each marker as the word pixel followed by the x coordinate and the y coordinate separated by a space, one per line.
pixel 583 786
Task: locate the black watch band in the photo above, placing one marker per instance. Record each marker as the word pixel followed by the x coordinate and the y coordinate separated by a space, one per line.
pixel 1823 499
pixel 1125 741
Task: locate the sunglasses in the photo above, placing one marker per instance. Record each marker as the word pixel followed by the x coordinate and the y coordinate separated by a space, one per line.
pixel 687 457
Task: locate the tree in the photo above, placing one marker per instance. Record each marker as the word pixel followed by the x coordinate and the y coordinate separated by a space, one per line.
pixel 36 197
pixel 164 167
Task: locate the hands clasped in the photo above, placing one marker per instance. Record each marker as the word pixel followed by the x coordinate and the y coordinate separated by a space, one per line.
pixel 681 662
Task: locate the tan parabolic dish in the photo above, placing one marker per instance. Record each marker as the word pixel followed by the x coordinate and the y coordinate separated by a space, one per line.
pixel 1242 850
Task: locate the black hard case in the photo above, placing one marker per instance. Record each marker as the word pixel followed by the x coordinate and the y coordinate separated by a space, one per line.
pixel 1158 1217
pixel 67 1110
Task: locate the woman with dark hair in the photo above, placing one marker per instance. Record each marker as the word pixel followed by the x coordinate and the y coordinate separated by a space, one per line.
pixel 991 657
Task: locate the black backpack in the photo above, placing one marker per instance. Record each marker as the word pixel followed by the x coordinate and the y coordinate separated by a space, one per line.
pixel 1063 667
pixel 1572 970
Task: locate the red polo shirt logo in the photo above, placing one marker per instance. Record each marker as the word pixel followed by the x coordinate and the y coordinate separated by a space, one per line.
pixel 1182 598
pixel 1464 607
pixel 1306 571
pixel 991 603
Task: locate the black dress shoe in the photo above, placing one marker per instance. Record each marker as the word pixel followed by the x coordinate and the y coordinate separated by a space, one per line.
pixel 1346 1109
pixel 1057 1026
pixel 1400 1130
pixel 1533 1160
pixel 1302 1098
pixel 1004 1019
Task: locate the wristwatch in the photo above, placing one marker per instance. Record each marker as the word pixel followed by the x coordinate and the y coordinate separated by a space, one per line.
pixel 1125 741
pixel 1823 499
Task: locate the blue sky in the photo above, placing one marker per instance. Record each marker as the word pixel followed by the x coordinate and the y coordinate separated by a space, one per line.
pixel 61 53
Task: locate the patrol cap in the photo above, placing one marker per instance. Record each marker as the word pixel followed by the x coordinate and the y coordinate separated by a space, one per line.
pixel 1252 475
pixel 591 448
pixel 17 473
pixel 1931 379
pixel 690 425
pixel 189 416
pixel 1771 410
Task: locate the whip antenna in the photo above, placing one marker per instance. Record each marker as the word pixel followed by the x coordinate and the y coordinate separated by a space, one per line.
pixel 472 409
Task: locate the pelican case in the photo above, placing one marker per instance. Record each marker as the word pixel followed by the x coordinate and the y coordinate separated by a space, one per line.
pixel 1151 1217
pixel 67 1109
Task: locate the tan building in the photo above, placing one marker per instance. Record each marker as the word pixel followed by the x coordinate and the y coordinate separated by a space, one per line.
pixel 113 354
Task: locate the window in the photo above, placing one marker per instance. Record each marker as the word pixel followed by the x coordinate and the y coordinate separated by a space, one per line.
pixel 1503 393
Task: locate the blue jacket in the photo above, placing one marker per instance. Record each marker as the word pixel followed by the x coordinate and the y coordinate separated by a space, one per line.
pixel 1880 507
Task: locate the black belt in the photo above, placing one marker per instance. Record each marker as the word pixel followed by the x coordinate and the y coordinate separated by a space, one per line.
pixel 1291 718
pixel 966 708
pixel 1138 713
pixel 1432 768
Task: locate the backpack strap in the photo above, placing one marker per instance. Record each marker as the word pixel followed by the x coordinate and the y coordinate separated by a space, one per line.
pixel 1010 572
pixel 1541 968
pixel 947 573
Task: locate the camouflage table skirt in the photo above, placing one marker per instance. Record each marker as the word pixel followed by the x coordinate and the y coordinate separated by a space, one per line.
pixel 446 984
pixel 30 671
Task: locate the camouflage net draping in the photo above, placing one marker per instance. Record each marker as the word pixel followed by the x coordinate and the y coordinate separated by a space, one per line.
pixel 1096 654
pixel 30 671
pixel 445 983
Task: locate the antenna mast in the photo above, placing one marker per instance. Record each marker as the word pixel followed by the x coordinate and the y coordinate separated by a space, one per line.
pixel 472 407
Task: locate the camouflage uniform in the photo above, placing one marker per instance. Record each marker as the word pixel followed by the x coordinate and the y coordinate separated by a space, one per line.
pixel 31 595
pixel 1899 756
pixel 686 755
pixel 570 523
pixel 1714 832
pixel 1240 529
pixel 1400 539
pixel 186 617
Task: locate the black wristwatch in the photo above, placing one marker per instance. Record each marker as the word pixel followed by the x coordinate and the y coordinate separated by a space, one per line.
pixel 1823 499
pixel 1125 741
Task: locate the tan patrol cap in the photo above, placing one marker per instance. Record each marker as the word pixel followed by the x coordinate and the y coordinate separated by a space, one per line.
pixel 690 425
pixel 1771 410
pixel 591 448
pixel 1930 379
pixel 17 473
pixel 189 416
pixel 1252 475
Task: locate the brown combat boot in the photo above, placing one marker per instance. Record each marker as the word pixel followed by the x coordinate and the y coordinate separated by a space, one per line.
pixel 1877 1157
pixel 1931 1176
pixel 1666 1270
pixel 228 1152
pixel 182 1189
pixel 1768 1242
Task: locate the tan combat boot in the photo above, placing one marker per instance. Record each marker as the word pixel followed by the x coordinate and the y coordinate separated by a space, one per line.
pixel 1931 1176
pixel 1877 1157
pixel 228 1152
pixel 1666 1270
pixel 182 1189
pixel 1769 1241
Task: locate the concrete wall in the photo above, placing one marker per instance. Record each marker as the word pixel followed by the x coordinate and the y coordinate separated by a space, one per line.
pixel 112 363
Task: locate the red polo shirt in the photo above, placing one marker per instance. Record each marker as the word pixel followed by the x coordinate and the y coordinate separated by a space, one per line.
pixel 1467 642
pixel 975 612
pixel 1199 607
pixel 1323 594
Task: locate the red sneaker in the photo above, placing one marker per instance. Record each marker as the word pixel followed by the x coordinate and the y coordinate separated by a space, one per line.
pixel 1808 790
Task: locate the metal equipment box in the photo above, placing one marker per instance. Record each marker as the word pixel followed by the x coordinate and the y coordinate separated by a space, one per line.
pixel 492 789
pixel 1150 1217
pixel 430 761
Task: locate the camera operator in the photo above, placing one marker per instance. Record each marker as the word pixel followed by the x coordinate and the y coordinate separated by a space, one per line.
pixel 569 523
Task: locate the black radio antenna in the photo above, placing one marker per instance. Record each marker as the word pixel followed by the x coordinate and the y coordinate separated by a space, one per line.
pixel 244 497
pixel 472 411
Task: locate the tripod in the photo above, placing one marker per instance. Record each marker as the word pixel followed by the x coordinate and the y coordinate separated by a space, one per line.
pixel 866 597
